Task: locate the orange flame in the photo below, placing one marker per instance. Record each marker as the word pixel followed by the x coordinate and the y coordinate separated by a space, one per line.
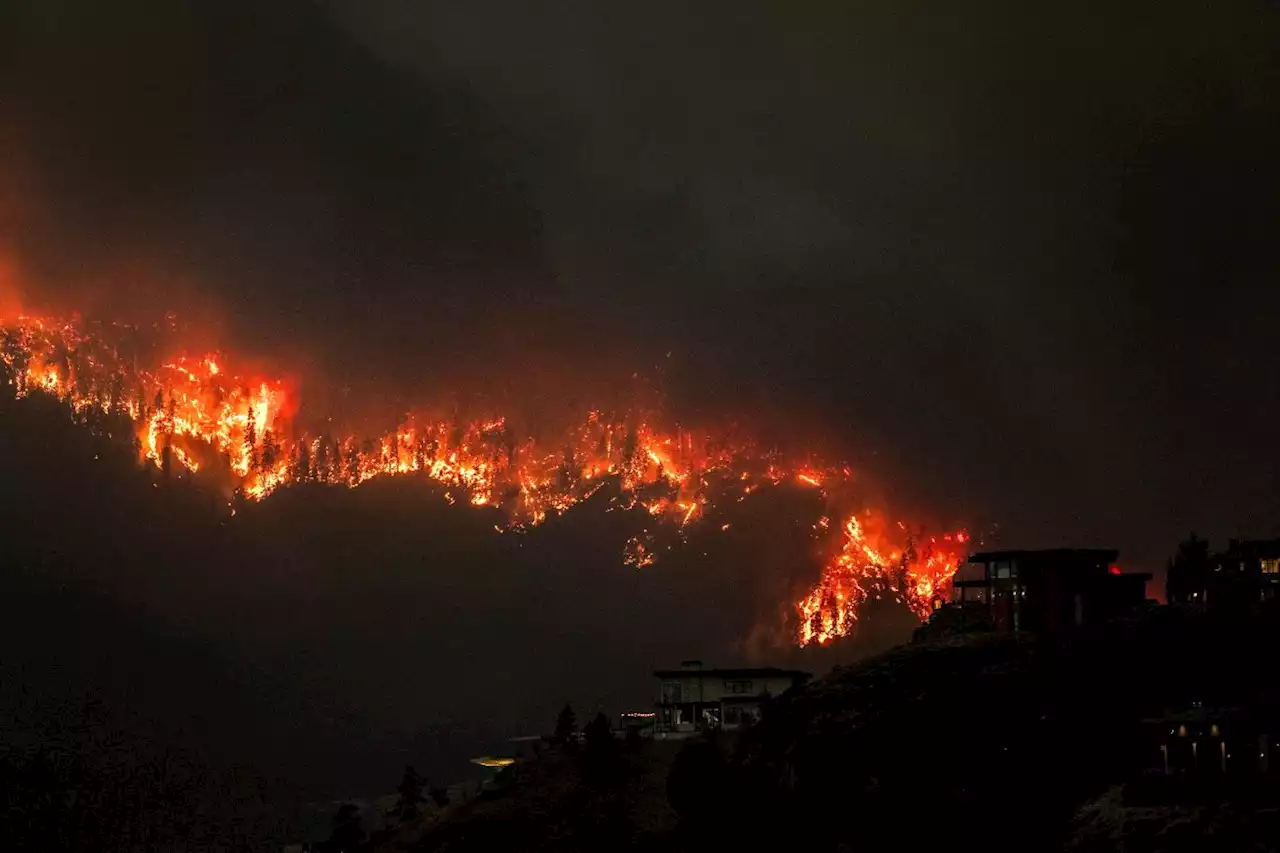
pixel 192 412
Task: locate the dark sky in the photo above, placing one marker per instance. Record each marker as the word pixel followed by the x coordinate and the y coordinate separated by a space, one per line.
pixel 1015 260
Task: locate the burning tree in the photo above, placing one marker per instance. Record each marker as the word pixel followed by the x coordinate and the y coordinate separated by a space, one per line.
pixel 192 414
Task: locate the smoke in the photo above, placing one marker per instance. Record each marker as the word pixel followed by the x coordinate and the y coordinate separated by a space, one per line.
pixel 1013 264
pixel 10 293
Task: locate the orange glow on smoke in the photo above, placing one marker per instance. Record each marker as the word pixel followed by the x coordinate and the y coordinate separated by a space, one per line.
pixel 194 414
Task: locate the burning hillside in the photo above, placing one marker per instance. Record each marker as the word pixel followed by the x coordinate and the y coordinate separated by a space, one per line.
pixel 195 414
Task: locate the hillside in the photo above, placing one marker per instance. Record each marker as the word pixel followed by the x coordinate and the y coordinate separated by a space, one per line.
pixel 997 738
pixel 855 754
pixel 327 637
pixel 1011 742
pixel 559 802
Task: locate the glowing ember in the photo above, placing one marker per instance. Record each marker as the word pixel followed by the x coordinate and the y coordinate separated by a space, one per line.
pixel 193 414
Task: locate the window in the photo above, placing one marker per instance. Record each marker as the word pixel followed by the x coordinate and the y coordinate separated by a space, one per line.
pixel 670 692
pixel 738 687
pixel 1271 567
pixel 1002 570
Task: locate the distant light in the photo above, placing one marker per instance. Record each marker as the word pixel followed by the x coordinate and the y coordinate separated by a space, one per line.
pixel 488 761
pixel 1115 570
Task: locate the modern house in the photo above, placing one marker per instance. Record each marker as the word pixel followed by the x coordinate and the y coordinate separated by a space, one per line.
pixel 695 697
pixel 1046 591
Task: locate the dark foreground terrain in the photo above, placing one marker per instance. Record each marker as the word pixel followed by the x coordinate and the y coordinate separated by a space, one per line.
pixel 1013 743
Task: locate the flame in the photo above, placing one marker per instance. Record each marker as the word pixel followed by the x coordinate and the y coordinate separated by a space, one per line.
pixel 860 570
pixel 811 478
pixel 193 414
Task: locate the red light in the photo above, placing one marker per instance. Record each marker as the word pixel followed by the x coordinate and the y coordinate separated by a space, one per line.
pixel 1115 570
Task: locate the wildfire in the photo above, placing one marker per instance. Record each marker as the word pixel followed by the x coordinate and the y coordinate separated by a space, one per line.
pixel 860 570
pixel 194 414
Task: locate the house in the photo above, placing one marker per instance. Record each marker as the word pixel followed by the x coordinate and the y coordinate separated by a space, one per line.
pixel 1046 591
pixel 1245 574
pixel 694 697
pixel 1202 742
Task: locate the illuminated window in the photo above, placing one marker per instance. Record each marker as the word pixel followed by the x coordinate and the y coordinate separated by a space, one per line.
pixel 1271 567
pixel 1213 730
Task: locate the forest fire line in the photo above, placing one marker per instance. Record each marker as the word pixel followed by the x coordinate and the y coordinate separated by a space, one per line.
pixel 193 414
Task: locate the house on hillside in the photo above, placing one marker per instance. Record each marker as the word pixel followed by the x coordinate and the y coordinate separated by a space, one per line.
pixel 694 697
pixel 1244 575
pixel 1044 591
pixel 1210 742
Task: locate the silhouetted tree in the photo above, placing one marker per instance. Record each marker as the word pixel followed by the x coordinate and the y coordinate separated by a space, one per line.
pixel 302 463
pixel 270 450
pixel 348 832
pixel 1188 572
pixel 326 465
pixel 566 725
pixel 509 444
pixel 251 442
pixel 601 754
pixel 598 736
pixel 631 450
pixel 410 791
pixel 115 394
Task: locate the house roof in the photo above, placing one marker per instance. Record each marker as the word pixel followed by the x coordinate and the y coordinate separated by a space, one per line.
pixel 755 672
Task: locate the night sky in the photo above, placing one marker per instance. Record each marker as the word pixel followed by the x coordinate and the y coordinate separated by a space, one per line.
pixel 1014 261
